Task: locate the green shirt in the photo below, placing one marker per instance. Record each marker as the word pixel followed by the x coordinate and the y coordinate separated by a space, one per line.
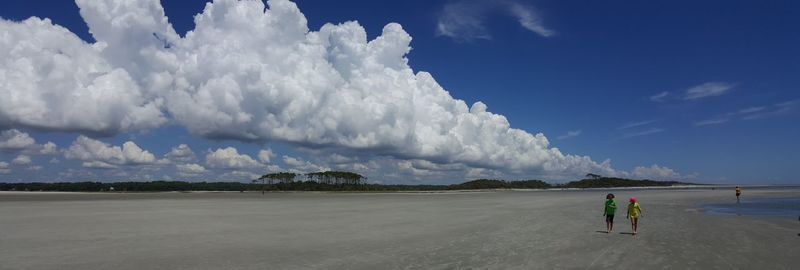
pixel 611 207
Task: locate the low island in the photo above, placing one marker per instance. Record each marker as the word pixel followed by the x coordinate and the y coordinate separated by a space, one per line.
pixel 325 181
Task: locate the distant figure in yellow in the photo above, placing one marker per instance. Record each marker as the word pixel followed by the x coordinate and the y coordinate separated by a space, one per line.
pixel 738 193
pixel 634 212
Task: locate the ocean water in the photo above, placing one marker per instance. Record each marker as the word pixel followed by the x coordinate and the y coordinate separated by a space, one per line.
pixel 766 207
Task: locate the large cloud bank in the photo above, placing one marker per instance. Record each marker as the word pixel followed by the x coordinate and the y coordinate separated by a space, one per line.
pixel 251 73
pixel 52 80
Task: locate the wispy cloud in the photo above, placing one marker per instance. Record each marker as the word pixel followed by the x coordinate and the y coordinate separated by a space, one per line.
pixel 755 116
pixel 530 19
pixel 643 133
pixel 711 122
pixel 774 110
pixel 660 96
pixel 787 105
pixel 464 20
pixel 709 89
pixel 636 124
pixel 752 113
pixel 757 112
pixel 570 134
pixel 751 110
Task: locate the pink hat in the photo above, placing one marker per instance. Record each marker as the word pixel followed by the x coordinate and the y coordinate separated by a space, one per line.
pixel 633 199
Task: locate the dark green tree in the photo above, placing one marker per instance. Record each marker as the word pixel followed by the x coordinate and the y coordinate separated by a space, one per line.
pixel 336 178
pixel 593 176
pixel 281 177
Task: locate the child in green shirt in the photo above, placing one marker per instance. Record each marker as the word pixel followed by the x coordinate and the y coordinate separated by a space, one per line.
pixel 608 212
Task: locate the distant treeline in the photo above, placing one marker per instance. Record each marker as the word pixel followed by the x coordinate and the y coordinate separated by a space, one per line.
pixel 500 184
pixel 598 182
pixel 602 182
pixel 207 186
pixel 607 182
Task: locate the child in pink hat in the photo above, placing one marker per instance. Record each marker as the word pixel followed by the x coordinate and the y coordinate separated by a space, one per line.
pixel 634 212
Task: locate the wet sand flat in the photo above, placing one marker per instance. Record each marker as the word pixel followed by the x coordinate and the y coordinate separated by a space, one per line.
pixel 458 230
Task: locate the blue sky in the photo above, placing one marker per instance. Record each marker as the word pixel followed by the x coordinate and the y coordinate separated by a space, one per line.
pixel 703 91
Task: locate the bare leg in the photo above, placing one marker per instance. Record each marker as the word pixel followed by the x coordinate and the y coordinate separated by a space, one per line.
pixel 633 227
pixel 635 222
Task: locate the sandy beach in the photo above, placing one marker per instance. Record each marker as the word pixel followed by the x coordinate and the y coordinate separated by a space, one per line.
pixel 456 230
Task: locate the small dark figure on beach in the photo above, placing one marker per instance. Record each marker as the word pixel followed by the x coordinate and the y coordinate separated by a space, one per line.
pixel 738 193
pixel 634 213
pixel 608 211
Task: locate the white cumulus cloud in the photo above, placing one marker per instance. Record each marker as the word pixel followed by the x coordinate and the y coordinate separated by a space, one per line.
pixel 265 155
pixel 13 140
pixel 190 169
pixel 299 165
pixel 48 148
pixel 656 172
pixel 229 158
pixel 98 165
pixel 181 153
pixel 21 160
pixel 52 80
pixel 97 154
pixel 4 168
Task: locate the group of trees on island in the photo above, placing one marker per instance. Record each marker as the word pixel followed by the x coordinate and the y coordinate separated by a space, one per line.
pixel 281 177
pixel 608 182
pixel 336 178
pixel 591 181
pixel 593 176
pixel 286 180
pixel 323 181
pixel 326 177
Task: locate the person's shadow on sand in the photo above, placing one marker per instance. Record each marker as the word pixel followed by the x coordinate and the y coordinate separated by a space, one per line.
pixel 628 233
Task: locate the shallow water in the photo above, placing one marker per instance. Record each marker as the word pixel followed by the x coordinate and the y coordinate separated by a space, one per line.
pixel 764 207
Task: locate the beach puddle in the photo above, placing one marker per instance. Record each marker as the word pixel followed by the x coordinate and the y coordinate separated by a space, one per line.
pixel 766 207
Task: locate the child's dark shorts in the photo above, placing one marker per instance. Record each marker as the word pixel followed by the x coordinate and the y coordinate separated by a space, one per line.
pixel 610 218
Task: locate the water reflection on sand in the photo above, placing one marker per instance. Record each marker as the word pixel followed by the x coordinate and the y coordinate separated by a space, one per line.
pixel 764 207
